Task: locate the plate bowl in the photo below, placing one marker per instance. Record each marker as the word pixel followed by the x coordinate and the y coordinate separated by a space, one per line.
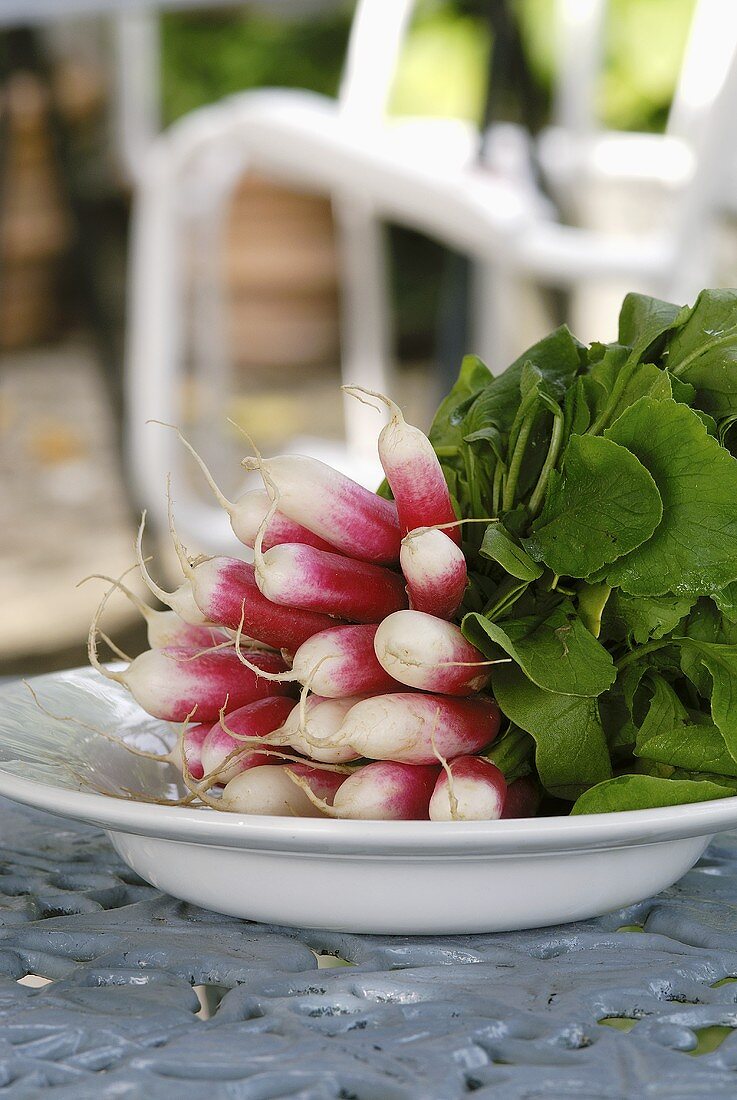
pixel 385 877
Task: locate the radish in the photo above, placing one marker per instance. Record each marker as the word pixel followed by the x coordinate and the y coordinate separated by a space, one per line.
pixel 382 791
pixel 181 599
pixel 523 798
pixel 248 512
pixel 166 628
pixel 425 652
pixel 311 729
pixel 417 729
pixel 340 662
pixel 468 789
pixel 349 517
pixel 269 789
pixel 412 469
pixel 302 576
pixel 225 590
pixel 193 738
pixel 178 683
pixel 434 567
pixel 254 721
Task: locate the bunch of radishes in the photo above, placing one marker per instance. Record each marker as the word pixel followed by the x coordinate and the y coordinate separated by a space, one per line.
pixel 351 599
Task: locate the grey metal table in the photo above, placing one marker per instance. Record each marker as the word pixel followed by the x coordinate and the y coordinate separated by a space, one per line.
pixel 505 1016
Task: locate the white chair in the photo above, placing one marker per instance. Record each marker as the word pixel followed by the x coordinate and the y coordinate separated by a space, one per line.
pixel 692 165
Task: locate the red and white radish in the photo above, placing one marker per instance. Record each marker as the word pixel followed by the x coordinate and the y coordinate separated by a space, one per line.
pixel 268 789
pixel 523 798
pixel 177 683
pixel 382 791
pixel 312 729
pixel 339 662
pixel 434 567
pixel 193 738
pixel 248 512
pixel 302 576
pixel 226 591
pixel 468 789
pixel 413 471
pixel 412 728
pixel 425 652
pixel 166 628
pixel 180 600
pixel 349 517
pixel 253 722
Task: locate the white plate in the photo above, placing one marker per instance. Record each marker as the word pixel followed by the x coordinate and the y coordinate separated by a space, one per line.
pixel 414 877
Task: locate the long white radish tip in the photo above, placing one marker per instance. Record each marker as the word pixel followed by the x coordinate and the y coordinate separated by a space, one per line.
pixel 361 393
pixel 276 677
pixel 185 561
pixel 219 495
pixel 417 531
pixel 92 653
pixel 249 438
pixel 150 583
pixel 147 612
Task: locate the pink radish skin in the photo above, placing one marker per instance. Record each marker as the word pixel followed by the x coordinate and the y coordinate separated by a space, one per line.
pixel 322 721
pixel 301 576
pixel 179 683
pixel 523 798
pixel 269 790
pixel 255 720
pixel 411 728
pixel 249 511
pixel 425 652
pixel 477 792
pixel 194 737
pixel 354 520
pixel 166 628
pixel 386 791
pixel 413 471
pixel 248 514
pixel 225 589
pixel 341 661
pixel 435 570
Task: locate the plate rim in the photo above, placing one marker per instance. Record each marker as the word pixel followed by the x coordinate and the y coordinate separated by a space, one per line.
pixel 329 836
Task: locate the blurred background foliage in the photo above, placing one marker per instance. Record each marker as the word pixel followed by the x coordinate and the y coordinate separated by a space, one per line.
pixel 445 64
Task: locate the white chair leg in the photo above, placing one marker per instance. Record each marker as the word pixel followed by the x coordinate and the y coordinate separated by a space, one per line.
pixel 495 303
pixel 365 319
pixel 137 95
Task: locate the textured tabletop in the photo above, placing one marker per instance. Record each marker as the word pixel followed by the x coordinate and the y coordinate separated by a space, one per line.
pixel 502 1016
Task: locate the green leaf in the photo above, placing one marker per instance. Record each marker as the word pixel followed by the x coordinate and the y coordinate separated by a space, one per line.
pixel 512 753
pixel 694 549
pixel 576 409
pixel 571 750
pixel 642 618
pixel 642 380
pixel 592 599
pixel 559 654
pixel 446 426
pixel 602 504
pixel 557 357
pixel 644 792
pixel 704 351
pixel 720 661
pixel 499 546
pixel 642 320
pixel 726 601
pixel 696 748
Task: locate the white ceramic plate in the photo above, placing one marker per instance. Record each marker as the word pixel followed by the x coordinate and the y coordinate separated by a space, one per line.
pixel 416 878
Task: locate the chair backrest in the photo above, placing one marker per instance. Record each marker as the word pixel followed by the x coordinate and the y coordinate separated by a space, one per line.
pixel 377 34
